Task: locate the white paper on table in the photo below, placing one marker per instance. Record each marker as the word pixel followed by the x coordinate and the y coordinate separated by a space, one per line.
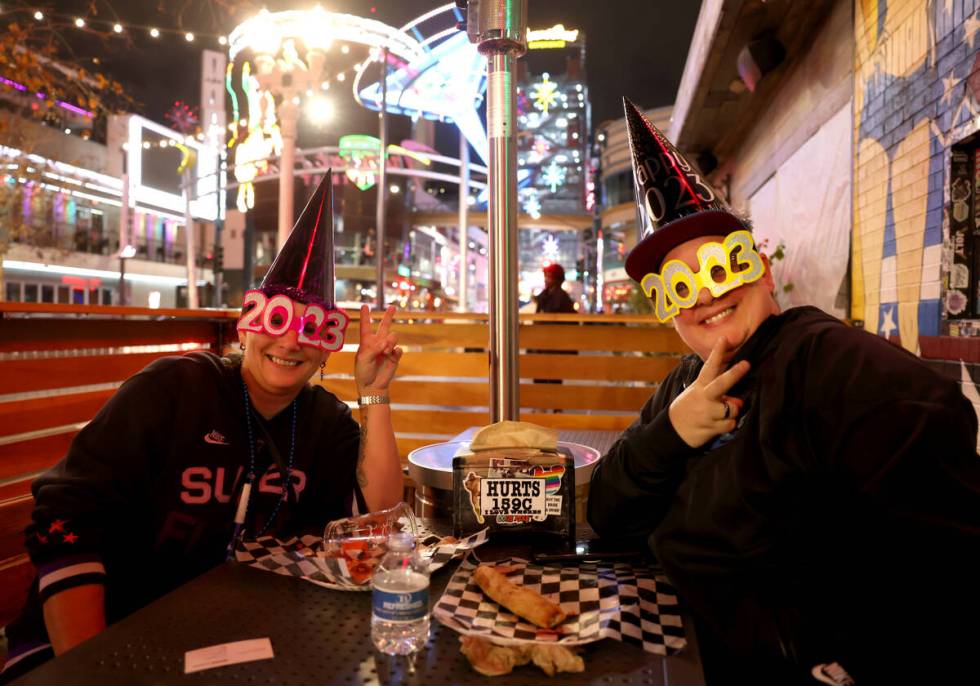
pixel 227 654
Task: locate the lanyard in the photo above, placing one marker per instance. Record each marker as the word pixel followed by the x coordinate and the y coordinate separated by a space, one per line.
pixel 245 496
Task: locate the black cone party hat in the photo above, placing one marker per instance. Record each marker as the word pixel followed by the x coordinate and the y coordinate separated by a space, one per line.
pixel 674 203
pixel 303 269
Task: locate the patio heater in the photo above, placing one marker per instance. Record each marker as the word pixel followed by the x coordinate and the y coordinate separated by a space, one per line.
pixel 501 35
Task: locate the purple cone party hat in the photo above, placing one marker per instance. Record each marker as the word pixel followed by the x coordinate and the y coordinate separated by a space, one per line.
pixel 303 269
pixel 674 203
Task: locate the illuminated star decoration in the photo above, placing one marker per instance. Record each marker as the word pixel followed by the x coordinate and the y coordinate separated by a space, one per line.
pixel 181 117
pixel 57 525
pixel 70 537
pixel 554 176
pixel 545 94
pixel 532 205
pixel 550 248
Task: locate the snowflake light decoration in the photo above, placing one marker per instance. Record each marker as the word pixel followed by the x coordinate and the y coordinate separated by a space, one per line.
pixel 553 176
pixel 545 94
pixel 532 205
pixel 550 248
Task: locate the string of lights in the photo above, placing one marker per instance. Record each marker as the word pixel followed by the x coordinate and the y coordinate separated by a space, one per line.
pixel 111 27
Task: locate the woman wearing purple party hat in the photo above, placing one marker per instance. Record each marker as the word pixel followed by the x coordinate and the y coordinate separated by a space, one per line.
pixel 196 451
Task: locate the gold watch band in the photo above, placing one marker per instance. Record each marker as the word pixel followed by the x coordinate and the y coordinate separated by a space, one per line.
pixel 372 400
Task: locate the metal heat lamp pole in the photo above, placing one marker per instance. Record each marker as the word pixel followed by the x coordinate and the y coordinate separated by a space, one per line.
pixel 379 218
pixel 502 33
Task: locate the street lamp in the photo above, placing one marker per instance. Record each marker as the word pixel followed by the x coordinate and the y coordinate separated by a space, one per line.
pixel 289 50
pixel 127 252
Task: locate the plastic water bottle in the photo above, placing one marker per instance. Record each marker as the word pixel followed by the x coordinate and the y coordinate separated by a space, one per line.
pixel 400 598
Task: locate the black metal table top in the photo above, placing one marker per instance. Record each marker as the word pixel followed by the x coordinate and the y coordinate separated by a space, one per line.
pixel 319 636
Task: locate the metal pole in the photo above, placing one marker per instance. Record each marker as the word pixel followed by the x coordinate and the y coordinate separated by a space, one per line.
pixel 288 116
pixel 502 29
pixel 192 301
pixel 379 217
pixel 218 264
pixel 464 239
pixel 248 259
pixel 122 280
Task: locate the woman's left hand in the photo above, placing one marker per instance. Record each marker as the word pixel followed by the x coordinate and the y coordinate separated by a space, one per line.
pixel 377 354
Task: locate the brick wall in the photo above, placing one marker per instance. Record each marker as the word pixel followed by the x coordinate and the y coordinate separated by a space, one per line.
pixel 913 100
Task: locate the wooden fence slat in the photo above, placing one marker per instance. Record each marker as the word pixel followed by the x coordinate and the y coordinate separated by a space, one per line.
pixel 14 516
pixel 35 455
pixel 595 367
pixel 652 339
pixel 532 396
pixel 437 421
pixel 75 334
pixel 580 422
pixel 415 363
pixel 533 366
pixel 407 445
pixel 21 416
pixel 602 338
pixel 35 374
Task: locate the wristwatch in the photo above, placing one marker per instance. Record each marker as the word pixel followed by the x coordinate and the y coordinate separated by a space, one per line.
pixel 372 400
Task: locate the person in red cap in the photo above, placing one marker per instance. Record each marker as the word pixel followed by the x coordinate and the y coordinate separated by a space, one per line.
pixel 553 297
pixel 812 490
pixel 195 452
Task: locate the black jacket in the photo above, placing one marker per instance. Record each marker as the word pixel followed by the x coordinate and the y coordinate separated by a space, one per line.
pixel 836 523
pixel 146 496
pixel 554 300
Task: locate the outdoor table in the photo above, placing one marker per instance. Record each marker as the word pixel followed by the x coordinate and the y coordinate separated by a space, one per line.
pixel 319 636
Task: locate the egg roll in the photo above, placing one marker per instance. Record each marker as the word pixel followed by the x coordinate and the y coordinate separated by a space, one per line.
pixel 523 602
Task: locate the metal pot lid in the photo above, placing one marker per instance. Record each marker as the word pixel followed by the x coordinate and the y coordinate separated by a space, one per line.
pixel 432 465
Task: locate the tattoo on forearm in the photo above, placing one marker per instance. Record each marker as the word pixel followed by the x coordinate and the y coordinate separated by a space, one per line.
pixel 361 476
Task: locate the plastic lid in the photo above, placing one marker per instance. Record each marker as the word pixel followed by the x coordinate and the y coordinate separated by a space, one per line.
pixel 401 540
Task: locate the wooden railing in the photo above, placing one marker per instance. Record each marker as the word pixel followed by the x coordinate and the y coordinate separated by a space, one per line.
pixel 60 363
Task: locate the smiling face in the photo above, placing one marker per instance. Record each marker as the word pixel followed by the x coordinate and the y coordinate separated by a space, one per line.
pixel 278 366
pixel 735 314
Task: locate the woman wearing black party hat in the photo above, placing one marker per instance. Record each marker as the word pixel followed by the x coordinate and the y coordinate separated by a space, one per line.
pixel 812 490
pixel 196 451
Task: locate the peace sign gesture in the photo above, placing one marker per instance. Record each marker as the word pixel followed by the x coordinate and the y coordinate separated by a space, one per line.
pixel 703 411
pixel 377 354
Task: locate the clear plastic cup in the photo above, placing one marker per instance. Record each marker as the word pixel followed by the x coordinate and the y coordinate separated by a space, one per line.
pixel 362 541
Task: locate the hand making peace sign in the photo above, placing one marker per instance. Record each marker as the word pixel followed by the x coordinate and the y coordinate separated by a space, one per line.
pixel 703 411
pixel 377 354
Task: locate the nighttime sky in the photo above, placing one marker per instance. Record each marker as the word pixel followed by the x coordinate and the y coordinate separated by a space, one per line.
pixel 638 51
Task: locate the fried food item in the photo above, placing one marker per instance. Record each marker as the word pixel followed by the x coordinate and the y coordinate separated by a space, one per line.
pixel 491 659
pixel 523 602
pixel 553 658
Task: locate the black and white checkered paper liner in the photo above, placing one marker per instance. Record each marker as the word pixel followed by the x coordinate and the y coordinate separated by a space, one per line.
pixel 298 557
pixel 622 600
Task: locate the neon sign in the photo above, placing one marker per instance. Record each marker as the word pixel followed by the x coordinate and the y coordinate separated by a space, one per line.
pixel 555 37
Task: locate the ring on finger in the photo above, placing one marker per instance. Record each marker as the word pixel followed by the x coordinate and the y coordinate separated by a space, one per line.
pixel 728 409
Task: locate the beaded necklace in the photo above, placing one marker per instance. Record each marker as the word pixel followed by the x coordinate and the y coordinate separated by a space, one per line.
pixel 245 497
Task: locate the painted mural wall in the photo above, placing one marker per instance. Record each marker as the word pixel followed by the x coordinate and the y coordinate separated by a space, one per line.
pixel 915 96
